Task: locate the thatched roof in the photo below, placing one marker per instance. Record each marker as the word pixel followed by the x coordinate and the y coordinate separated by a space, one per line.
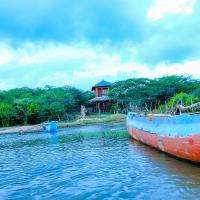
pixel 100 99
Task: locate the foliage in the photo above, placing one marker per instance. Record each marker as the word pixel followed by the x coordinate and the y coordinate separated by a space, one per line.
pixel 182 98
pixel 31 106
pixel 5 114
pixel 149 94
pixel 196 93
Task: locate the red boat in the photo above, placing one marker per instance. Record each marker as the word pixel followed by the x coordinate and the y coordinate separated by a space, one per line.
pixel 178 135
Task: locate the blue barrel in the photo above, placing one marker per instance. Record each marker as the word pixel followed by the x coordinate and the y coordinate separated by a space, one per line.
pixel 53 127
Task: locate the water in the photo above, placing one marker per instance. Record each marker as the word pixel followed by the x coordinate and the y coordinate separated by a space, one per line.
pixel 94 162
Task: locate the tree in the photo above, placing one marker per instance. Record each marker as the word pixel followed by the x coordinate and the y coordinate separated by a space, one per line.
pixel 5 113
pixel 150 93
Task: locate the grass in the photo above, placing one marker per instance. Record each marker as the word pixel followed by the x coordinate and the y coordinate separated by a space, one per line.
pixel 95 119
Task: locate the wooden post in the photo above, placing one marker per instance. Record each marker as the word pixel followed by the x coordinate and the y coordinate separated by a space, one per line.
pixel 96 92
pixel 103 107
pixel 99 108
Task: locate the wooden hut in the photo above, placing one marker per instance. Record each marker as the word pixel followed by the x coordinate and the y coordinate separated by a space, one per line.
pixel 102 102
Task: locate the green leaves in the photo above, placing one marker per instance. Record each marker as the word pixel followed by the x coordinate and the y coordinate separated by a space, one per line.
pixel 5 113
pixel 150 94
pixel 186 99
pixel 31 106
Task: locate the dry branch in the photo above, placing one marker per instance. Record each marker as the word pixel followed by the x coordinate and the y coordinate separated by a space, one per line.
pixel 184 108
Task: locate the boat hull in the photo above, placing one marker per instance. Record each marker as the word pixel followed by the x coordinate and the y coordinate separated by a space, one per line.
pixel 183 147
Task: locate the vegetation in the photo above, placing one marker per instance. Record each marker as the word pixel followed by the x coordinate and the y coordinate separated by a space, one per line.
pixel 148 95
pixel 181 98
pixel 31 106
pixel 24 106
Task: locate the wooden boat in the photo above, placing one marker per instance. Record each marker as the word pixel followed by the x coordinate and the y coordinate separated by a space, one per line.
pixel 178 135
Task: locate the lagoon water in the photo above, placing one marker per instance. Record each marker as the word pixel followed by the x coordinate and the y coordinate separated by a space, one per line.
pixel 93 162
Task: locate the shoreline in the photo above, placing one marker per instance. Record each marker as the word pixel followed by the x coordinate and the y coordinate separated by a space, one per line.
pixel 90 120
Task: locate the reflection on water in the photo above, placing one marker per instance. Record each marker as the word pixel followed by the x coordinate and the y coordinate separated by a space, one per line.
pixel 54 138
pixel 185 174
pixel 94 162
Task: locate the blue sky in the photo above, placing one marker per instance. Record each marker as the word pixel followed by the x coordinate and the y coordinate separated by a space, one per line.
pixel 78 43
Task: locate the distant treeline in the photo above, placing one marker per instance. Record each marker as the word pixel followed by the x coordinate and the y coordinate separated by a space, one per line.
pixel 160 94
pixel 32 106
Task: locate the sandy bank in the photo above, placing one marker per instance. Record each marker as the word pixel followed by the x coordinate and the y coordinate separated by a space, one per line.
pixel 21 129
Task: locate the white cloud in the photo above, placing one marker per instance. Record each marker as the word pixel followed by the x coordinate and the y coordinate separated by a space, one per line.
pixel 30 53
pixel 6 54
pixel 56 79
pixel 35 65
pixel 134 69
pixel 163 7
pixel 188 68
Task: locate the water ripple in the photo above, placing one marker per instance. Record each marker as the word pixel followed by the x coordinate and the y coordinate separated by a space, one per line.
pixel 99 162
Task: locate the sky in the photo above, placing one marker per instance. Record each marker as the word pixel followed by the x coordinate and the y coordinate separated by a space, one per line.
pixel 79 43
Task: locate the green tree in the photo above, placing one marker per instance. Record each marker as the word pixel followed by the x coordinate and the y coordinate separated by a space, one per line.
pixel 150 93
pixel 5 114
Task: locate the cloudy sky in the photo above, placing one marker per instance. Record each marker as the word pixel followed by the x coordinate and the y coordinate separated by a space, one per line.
pixel 80 42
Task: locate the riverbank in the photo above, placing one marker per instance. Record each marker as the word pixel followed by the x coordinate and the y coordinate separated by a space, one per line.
pixel 93 119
